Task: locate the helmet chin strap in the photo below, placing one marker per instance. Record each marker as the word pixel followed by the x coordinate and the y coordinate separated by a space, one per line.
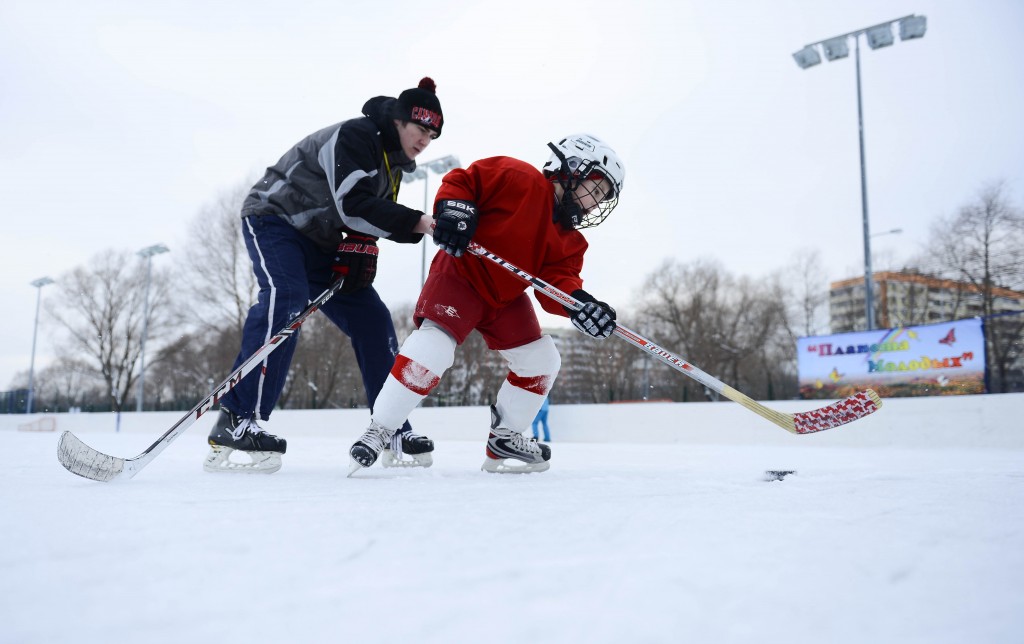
pixel 567 211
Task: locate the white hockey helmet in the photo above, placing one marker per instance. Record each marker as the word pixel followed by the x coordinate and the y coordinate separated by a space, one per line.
pixel 576 158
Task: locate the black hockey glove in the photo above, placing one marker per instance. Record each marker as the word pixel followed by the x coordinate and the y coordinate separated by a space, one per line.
pixel 455 225
pixel 356 261
pixel 596 319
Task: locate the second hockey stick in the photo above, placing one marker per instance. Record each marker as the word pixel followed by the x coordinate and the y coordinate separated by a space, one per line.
pixel 838 413
pixel 90 463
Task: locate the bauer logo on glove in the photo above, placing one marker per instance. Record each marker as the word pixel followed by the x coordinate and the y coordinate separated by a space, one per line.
pixel 356 262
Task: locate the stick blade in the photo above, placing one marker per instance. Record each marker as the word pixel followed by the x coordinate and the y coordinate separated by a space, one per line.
pixel 78 458
pixel 839 413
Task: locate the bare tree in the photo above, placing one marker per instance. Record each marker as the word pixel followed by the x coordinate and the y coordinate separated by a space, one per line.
pixel 807 293
pixel 324 371
pixel 982 246
pixel 71 383
pixel 215 269
pixel 734 329
pixel 215 274
pixel 599 371
pixel 187 369
pixel 101 307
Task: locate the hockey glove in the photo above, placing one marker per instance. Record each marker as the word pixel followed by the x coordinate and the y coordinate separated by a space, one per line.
pixel 356 261
pixel 456 223
pixel 596 319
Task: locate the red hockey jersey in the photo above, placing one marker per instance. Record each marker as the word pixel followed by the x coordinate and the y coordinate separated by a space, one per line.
pixel 516 209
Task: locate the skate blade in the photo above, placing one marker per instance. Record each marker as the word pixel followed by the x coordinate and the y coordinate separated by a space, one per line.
pixel 501 466
pixel 353 467
pixel 219 460
pixel 390 459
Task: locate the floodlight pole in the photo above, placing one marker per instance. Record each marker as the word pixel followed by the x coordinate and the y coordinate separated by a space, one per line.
pixel 808 57
pixel 869 290
pixel 422 171
pixel 146 253
pixel 39 284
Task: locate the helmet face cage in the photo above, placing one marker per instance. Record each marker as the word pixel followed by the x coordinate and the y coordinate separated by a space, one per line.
pixel 591 170
pixel 578 158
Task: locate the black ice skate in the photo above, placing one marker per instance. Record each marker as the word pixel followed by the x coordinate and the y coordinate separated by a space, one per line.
pixel 505 444
pixel 233 434
pixel 411 444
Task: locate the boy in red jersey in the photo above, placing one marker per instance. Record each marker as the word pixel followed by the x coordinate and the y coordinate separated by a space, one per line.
pixel 532 219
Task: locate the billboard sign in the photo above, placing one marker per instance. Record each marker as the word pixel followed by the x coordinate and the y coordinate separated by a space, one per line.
pixel 928 360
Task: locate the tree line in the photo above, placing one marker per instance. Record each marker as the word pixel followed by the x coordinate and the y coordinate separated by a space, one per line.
pixel 740 329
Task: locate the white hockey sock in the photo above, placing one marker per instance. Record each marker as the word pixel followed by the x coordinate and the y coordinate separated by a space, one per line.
pixel 533 368
pixel 426 354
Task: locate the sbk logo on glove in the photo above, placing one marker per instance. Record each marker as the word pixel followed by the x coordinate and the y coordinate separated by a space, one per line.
pixel 464 206
pixel 455 224
pixel 352 247
pixel 462 218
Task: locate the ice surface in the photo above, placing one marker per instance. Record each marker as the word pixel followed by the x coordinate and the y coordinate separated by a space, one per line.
pixel 656 526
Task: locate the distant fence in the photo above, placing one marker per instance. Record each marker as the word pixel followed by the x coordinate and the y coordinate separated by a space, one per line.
pixel 14 402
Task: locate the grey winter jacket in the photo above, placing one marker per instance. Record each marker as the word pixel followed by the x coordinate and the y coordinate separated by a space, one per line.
pixel 336 180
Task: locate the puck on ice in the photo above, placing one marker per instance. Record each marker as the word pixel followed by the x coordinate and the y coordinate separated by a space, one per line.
pixel 777 475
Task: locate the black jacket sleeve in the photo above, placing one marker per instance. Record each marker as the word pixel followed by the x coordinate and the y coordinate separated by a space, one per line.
pixel 363 192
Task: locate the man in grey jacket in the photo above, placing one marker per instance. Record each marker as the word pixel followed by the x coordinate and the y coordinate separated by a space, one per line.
pixel 314 217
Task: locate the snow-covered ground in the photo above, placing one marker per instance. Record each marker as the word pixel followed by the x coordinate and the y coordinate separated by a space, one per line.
pixel 654 524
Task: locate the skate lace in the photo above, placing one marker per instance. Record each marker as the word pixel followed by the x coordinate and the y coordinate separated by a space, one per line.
pixel 376 437
pixel 522 443
pixel 396 443
pixel 239 431
pixel 249 425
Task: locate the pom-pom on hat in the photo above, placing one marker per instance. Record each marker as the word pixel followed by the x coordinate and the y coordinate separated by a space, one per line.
pixel 420 105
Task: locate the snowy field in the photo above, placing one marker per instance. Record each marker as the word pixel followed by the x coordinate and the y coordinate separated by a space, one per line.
pixel 654 524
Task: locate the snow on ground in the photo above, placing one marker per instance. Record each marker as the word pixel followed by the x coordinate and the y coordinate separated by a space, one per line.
pixel 654 524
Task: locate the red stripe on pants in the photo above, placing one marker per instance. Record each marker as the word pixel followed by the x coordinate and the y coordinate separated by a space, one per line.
pixel 414 376
pixel 534 384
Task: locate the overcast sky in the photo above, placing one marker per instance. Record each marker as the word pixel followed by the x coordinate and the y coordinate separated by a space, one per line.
pixel 119 121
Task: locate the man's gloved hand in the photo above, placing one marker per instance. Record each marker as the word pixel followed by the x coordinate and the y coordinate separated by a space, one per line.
pixel 455 225
pixel 596 318
pixel 356 261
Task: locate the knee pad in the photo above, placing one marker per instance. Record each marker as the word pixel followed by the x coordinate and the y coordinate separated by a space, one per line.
pixel 431 347
pixel 538 358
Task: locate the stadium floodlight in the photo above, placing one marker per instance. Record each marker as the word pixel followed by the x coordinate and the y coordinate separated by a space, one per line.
pixel 880 36
pixel 437 166
pixel 443 165
pixel 913 27
pixel 837 47
pixel 147 254
pixel 807 57
pixel 39 284
pixel 415 175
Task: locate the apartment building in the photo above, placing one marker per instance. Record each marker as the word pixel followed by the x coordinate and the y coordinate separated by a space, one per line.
pixel 905 299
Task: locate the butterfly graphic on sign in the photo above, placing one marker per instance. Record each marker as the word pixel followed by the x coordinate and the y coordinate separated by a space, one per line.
pixel 950 338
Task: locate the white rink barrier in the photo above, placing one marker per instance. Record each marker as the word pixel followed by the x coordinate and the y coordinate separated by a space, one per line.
pixel 983 421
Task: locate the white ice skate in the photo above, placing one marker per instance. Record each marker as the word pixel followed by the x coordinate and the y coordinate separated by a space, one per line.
pixel 506 446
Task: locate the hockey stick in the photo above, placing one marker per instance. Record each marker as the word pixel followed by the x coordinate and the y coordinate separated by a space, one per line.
pixel 85 461
pixel 839 413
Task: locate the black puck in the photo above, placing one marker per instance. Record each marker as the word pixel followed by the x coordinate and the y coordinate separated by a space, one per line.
pixel 777 475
